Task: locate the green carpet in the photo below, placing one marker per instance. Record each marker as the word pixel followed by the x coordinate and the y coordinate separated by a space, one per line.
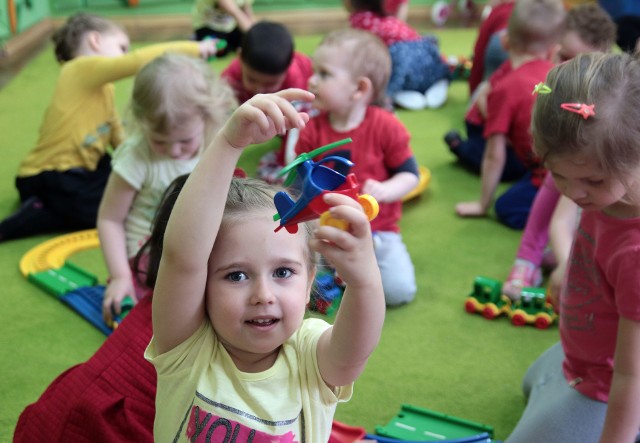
pixel 432 353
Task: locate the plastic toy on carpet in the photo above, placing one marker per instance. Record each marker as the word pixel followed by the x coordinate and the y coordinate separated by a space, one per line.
pixel 423 184
pixel 326 292
pixel 47 267
pixel 87 301
pixel 531 308
pixel 417 424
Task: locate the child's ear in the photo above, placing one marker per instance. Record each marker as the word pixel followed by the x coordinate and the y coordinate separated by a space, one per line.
pixel 312 278
pixel 552 53
pixel 94 40
pixel 364 87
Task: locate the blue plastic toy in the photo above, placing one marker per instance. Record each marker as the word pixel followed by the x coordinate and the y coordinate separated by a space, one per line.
pixel 314 179
pixel 87 301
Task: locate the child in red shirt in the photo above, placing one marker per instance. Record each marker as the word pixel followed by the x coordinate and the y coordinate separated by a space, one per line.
pixel 535 27
pixel 351 72
pixel 267 63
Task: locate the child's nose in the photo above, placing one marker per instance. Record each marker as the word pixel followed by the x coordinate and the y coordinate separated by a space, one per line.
pixel 263 291
pixel 574 191
pixel 175 150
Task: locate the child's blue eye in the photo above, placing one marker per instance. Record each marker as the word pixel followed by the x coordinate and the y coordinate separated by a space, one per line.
pixel 236 276
pixel 282 273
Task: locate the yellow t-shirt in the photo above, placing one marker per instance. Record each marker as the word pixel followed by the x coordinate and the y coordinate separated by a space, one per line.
pixel 202 396
pixel 82 120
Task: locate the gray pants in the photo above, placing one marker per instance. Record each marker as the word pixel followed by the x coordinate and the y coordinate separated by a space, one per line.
pixel 396 268
pixel 555 412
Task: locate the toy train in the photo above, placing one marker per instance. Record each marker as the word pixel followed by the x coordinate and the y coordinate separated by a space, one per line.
pixel 532 308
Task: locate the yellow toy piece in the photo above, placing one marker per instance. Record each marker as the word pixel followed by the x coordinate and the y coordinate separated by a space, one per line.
pixel 53 253
pixel 369 205
pixel 423 183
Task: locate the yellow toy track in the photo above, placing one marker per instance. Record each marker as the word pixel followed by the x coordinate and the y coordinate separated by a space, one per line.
pixel 53 253
pixel 423 183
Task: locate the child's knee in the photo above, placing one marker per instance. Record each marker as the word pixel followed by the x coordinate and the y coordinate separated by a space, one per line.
pixel 398 291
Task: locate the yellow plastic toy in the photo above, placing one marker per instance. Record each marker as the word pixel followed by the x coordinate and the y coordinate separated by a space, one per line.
pixel 423 183
pixel 53 253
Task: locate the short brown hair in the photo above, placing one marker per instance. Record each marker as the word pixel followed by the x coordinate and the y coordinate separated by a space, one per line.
pixel 368 57
pixel 67 39
pixel 535 25
pixel 593 25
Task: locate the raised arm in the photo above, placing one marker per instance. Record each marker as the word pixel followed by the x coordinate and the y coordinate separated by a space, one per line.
pixel 343 350
pixel 179 296
pixel 98 70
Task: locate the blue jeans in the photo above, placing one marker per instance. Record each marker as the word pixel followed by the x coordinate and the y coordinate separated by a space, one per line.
pixel 471 151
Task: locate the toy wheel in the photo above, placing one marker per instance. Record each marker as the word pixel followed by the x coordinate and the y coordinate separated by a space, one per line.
pixel 543 321
pixel 327 220
pixel 519 318
pixel 490 311
pixel 369 205
pixel 470 305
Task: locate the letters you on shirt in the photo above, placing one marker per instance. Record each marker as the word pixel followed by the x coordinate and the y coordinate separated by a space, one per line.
pixel 206 427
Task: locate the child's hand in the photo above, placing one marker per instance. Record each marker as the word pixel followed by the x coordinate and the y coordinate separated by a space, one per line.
pixel 114 293
pixel 470 209
pixel 555 284
pixel 264 116
pixel 208 48
pixel 351 252
pixel 376 189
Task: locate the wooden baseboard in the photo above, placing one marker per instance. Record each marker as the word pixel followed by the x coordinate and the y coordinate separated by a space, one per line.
pixel 20 48
pixel 168 27
pixel 299 22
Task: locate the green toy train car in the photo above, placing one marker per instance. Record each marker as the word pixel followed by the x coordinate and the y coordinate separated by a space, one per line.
pixel 532 308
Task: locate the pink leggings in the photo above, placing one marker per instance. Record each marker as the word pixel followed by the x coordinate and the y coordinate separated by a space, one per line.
pixel 536 232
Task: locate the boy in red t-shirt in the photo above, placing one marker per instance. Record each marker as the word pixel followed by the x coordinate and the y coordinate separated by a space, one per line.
pixel 535 27
pixel 352 68
pixel 267 62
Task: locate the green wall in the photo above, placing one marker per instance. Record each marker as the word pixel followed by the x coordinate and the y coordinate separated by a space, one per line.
pixel 28 13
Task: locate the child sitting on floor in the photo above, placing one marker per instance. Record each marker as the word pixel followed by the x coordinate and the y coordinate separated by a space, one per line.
pixel 231 346
pixel 535 27
pixel 419 75
pixel 587 387
pixel 588 29
pixel 268 62
pixel 62 179
pixel 351 72
pixel 177 104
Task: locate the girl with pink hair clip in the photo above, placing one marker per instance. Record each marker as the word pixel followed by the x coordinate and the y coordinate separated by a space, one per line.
pixel 587 387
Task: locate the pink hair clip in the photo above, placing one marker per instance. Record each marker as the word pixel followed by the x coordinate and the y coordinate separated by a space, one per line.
pixel 585 111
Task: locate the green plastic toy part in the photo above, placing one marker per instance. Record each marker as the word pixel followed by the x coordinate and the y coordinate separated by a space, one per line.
pixel 308 156
pixel 420 424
